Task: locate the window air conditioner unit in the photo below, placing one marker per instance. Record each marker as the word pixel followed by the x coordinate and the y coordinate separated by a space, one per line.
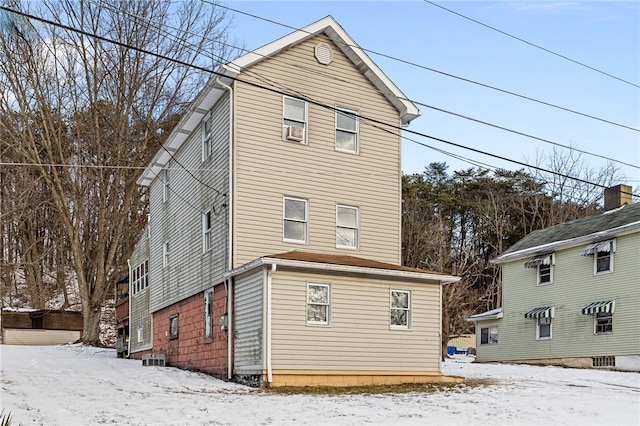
pixel 295 133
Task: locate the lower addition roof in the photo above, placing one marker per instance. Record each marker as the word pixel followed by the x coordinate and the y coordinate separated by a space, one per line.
pixel 345 263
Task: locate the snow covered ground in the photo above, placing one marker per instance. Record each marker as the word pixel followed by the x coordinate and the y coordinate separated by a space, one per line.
pixel 77 385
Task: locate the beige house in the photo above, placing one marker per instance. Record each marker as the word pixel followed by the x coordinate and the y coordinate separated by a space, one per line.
pixel 570 294
pixel 273 252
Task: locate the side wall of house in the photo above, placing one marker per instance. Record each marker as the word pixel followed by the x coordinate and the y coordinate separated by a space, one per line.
pixel 190 349
pixel 140 320
pixel 248 326
pixel 267 168
pixel 574 287
pixel 178 221
pixel 358 338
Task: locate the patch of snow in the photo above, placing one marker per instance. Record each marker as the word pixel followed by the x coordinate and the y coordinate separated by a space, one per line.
pixel 78 385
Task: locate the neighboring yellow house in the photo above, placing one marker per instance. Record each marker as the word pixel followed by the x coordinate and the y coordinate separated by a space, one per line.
pixel 276 259
pixel 571 293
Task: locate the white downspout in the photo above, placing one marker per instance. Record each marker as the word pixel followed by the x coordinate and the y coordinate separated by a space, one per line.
pixel 129 321
pixel 228 266
pixel 268 324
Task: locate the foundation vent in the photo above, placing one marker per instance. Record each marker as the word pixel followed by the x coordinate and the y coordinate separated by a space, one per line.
pixel 604 361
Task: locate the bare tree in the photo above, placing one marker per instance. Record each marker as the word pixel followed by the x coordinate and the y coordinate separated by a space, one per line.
pixel 85 114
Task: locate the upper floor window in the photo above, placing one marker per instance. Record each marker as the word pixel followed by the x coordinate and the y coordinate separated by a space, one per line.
pixel 545 274
pixel 165 185
pixel 318 303
pixel 543 264
pixel 140 277
pixel 207 137
pixel 400 312
pixel 603 253
pixel 347 226
pixel 295 218
pixel 346 130
pixel 206 231
pixel 294 119
pixel 165 254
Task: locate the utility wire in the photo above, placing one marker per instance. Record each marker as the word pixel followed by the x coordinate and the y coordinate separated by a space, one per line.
pixel 317 103
pixel 467 80
pixel 275 84
pixel 532 44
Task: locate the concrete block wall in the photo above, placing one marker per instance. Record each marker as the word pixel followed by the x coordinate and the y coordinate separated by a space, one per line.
pixel 192 350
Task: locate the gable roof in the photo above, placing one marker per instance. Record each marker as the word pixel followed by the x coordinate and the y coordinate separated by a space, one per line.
pixel 213 91
pixel 330 27
pixel 345 264
pixel 587 230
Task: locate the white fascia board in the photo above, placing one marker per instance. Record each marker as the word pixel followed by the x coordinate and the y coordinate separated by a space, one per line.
pixel 489 315
pixel 561 245
pixel 190 120
pixel 408 110
pixel 419 276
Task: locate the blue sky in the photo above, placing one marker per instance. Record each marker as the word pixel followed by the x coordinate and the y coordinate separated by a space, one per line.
pixel 603 35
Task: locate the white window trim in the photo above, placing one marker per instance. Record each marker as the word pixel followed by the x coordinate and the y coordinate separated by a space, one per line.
pixel 306 120
pixel 165 185
pixel 140 335
pixel 356 246
pixel 400 327
pixel 595 263
pixel 207 138
pixel 348 111
pixel 165 254
pixel 328 304
pixel 208 316
pixel 305 221
pixel 489 341
pixel 207 233
pixel 595 324
pixel 538 328
pixel 550 273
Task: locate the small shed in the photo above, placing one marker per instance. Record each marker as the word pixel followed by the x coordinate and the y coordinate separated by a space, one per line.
pixel 40 327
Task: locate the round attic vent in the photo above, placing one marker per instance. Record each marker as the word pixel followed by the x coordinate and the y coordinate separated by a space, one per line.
pixel 324 54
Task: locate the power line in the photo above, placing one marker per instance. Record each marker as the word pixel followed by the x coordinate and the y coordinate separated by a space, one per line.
pixel 531 44
pixel 467 80
pixel 314 102
pixel 333 77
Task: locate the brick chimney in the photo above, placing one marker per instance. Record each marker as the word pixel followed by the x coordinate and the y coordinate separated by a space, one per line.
pixel 617 196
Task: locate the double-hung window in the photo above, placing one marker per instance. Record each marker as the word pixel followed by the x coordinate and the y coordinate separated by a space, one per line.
pixel 346 130
pixel 208 313
pixel 489 335
pixel 603 261
pixel 604 322
pixel 294 119
pixel 318 303
pixel 400 312
pixel 165 185
pixel 347 226
pixel 295 218
pixel 545 274
pixel 543 328
pixel 206 231
pixel 207 137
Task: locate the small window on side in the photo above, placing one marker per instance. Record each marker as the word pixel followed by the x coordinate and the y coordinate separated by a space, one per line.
pixel 173 327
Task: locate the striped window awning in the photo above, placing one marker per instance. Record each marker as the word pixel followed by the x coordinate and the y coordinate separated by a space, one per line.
pixel 544 312
pixel 606 246
pixel 597 307
pixel 543 259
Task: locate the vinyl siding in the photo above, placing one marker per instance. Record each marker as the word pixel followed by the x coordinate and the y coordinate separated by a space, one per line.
pixel 574 287
pixel 248 317
pixel 179 220
pixel 268 168
pixel 140 317
pixel 359 336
